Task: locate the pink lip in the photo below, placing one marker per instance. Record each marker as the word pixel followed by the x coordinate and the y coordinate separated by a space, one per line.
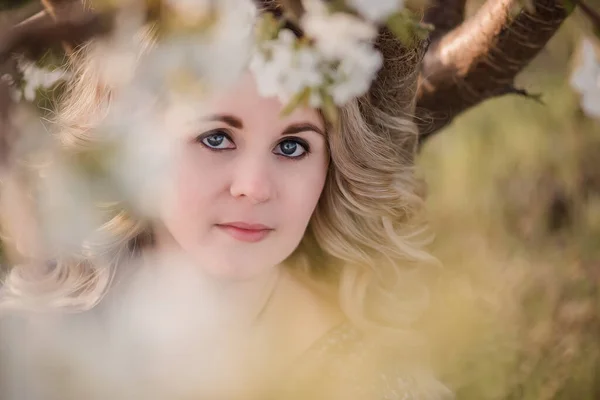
pixel 245 232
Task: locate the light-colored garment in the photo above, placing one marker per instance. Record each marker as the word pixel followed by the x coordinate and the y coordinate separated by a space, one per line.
pixel 344 364
pixel 347 364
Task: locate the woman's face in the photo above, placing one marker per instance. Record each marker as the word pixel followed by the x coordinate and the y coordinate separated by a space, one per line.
pixel 246 183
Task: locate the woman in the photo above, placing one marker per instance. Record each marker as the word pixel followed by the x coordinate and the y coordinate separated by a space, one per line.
pixel 283 258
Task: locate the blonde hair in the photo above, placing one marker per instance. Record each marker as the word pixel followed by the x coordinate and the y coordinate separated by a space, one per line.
pixel 367 233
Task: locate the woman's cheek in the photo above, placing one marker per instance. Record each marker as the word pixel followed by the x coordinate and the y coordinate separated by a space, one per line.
pixel 303 184
pixel 186 183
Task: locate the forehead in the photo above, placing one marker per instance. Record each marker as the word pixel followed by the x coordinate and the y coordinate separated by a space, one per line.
pixel 242 99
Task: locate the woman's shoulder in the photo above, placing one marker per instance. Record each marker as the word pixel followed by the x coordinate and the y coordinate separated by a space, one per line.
pixel 348 364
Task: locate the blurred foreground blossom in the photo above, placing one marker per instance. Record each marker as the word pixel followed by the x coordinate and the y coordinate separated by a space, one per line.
pixel 166 318
pixel 157 76
pixel 209 56
pixel 35 78
pixel 376 10
pixel 116 57
pixel 67 208
pixel 337 63
pixel 136 152
pixel 586 79
pixel 208 59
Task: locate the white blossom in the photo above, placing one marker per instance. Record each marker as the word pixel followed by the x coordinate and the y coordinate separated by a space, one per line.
pixel 282 71
pixel 138 129
pixel 212 58
pixel 140 150
pixel 67 210
pixel 376 10
pixel 336 34
pixel 355 73
pixel 116 58
pixel 345 40
pixel 36 78
pixel 341 60
pixel 586 79
pixel 165 317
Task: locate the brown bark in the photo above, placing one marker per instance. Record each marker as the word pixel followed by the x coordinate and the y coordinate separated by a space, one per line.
pixel 32 39
pixel 592 14
pixel 6 108
pixel 445 15
pixel 42 32
pixel 55 9
pixel 480 58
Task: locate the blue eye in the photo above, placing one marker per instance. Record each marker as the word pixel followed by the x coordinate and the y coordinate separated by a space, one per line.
pixel 292 148
pixel 217 140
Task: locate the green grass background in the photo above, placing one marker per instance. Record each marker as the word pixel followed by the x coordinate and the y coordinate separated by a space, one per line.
pixel 514 198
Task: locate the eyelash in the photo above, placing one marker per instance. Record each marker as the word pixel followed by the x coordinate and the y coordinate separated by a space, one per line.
pixel 222 132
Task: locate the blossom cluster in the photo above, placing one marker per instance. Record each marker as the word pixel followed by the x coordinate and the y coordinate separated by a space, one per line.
pixel 162 79
pixel 334 62
pixel 36 78
pixel 586 79
pixel 211 41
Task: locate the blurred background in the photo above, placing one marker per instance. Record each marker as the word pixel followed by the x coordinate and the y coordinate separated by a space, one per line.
pixel 514 199
pixel 513 191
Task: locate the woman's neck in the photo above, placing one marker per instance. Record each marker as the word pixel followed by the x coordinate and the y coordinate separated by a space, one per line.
pixel 278 303
pixel 252 330
pixel 220 302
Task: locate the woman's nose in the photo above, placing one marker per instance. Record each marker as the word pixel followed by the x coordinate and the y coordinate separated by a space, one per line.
pixel 252 180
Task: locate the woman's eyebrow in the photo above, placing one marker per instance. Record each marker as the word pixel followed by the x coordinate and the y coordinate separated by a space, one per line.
pixel 303 127
pixel 227 119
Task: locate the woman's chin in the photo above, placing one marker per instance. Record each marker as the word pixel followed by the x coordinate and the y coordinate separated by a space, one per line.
pixel 235 271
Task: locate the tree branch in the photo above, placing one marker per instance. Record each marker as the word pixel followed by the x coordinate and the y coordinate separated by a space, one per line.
pixel 593 15
pixel 445 15
pixel 55 8
pixel 42 32
pixel 480 58
pixel 6 108
pixel 32 38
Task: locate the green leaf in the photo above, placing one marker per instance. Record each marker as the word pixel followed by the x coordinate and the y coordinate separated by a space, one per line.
pixel 51 60
pixel 300 98
pixel 569 5
pixel 268 27
pixel 405 28
pixel 337 6
pixel 11 4
pixel 93 162
pixel 329 109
